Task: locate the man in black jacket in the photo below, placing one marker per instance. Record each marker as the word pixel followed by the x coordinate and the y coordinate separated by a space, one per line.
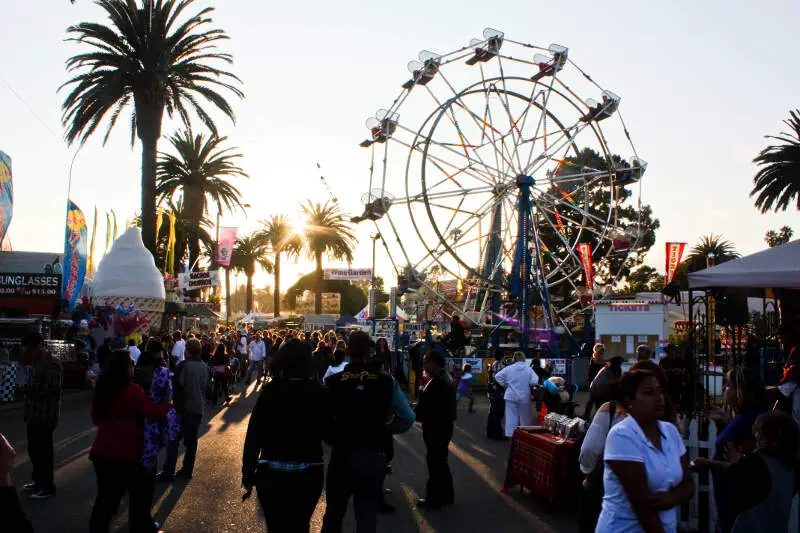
pixel 436 411
pixel 360 400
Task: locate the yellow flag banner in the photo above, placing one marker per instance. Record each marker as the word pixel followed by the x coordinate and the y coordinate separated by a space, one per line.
pixel 170 253
pixel 90 265
pixel 108 233
pixel 159 219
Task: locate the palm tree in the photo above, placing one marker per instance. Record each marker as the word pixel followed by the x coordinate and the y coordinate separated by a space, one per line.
pixel 777 183
pixel 148 58
pixel 249 252
pixel 198 169
pixel 722 249
pixel 328 233
pixel 282 239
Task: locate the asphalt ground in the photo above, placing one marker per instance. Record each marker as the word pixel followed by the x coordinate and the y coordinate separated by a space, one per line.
pixel 211 501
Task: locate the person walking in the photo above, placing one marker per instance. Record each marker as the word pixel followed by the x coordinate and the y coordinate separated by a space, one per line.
pixel 495 392
pixel 257 354
pixel 42 413
pixel 647 473
pixel 436 411
pixel 360 400
pixel 464 388
pixel 178 349
pixel 119 408
pixel 517 378
pixel 192 378
pixel 282 455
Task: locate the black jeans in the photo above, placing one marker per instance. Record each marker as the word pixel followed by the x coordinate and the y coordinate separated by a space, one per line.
pixel 358 473
pixel 289 498
pixel 40 451
pixel 190 427
pixel 494 423
pixel 114 479
pixel 439 489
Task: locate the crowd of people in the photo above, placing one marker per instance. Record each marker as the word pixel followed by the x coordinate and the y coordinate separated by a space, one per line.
pixel 316 387
pixel 345 390
pixel 636 467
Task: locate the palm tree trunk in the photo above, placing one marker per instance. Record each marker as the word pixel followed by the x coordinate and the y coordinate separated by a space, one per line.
pixel 249 293
pixel 318 292
pixel 149 151
pixel 276 298
pixel 227 295
pixel 149 112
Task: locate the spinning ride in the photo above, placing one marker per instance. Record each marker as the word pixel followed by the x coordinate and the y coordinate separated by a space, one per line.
pixel 490 168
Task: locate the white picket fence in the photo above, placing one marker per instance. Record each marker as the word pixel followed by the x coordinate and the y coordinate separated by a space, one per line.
pixel 690 512
pixel 690 515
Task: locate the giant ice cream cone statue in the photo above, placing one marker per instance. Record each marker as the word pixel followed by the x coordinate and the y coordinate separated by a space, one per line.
pixel 128 277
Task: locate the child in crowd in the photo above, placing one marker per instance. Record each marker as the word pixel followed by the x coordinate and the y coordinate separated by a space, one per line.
pixel 464 388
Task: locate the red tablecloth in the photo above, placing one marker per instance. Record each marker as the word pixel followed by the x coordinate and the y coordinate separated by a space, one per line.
pixel 543 463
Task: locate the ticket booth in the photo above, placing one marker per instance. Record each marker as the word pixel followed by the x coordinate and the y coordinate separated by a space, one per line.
pixel 622 325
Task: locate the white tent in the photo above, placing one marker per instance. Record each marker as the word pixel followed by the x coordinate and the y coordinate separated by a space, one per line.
pixel 773 268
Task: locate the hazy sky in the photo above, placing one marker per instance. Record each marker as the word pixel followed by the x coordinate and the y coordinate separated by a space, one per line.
pixel 701 84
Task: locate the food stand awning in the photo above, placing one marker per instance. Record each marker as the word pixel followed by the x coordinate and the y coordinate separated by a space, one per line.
pixel 777 267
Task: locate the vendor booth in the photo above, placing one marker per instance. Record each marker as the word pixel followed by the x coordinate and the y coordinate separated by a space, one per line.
pixel 622 325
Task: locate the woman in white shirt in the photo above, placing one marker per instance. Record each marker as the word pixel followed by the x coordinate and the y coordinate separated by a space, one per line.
pixel 647 468
pixel 517 378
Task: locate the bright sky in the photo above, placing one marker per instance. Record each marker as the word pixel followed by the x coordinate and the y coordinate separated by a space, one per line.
pixel 701 84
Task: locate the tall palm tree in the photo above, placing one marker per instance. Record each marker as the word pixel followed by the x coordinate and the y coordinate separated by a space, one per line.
pixel 282 238
pixel 199 169
pixel 249 252
pixel 722 249
pixel 327 232
pixel 777 183
pixel 156 58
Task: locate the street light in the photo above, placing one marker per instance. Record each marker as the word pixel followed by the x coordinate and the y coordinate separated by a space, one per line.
pixel 372 303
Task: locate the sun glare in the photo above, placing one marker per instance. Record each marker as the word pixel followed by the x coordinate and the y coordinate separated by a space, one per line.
pixel 297 225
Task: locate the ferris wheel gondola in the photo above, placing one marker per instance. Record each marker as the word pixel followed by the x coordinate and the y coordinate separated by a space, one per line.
pixel 501 176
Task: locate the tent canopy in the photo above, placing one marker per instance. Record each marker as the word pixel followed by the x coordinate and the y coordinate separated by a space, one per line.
pixel 774 268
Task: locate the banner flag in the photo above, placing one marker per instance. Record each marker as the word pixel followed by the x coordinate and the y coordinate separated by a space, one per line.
pixel 227 238
pixel 353 274
pixel 170 251
pixel 585 253
pixel 6 195
pixel 90 262
pixel 74 256
pixel 674 254
pixel 159 219
pixel 108 233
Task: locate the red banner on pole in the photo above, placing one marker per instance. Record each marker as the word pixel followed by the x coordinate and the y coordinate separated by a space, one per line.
pixel 227 236
pixel 674 254
pixel 585 253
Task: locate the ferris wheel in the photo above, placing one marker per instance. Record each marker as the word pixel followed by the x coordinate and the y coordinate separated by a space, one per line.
pixel 497 166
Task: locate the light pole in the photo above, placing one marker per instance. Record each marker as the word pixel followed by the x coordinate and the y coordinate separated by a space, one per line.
pixel 372 303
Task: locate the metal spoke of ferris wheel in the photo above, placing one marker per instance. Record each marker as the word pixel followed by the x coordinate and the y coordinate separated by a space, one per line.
pixel 482 124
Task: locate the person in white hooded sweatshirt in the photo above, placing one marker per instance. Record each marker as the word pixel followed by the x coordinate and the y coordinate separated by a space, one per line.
pixel 517 378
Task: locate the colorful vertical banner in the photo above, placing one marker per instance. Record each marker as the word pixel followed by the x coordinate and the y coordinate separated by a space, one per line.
pixel 74 255
pixel 585 253
pixel 6 195
pixel 674 254
pixel 227 238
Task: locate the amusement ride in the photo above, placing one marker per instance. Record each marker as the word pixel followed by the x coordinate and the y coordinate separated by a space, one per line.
pixel 496 165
